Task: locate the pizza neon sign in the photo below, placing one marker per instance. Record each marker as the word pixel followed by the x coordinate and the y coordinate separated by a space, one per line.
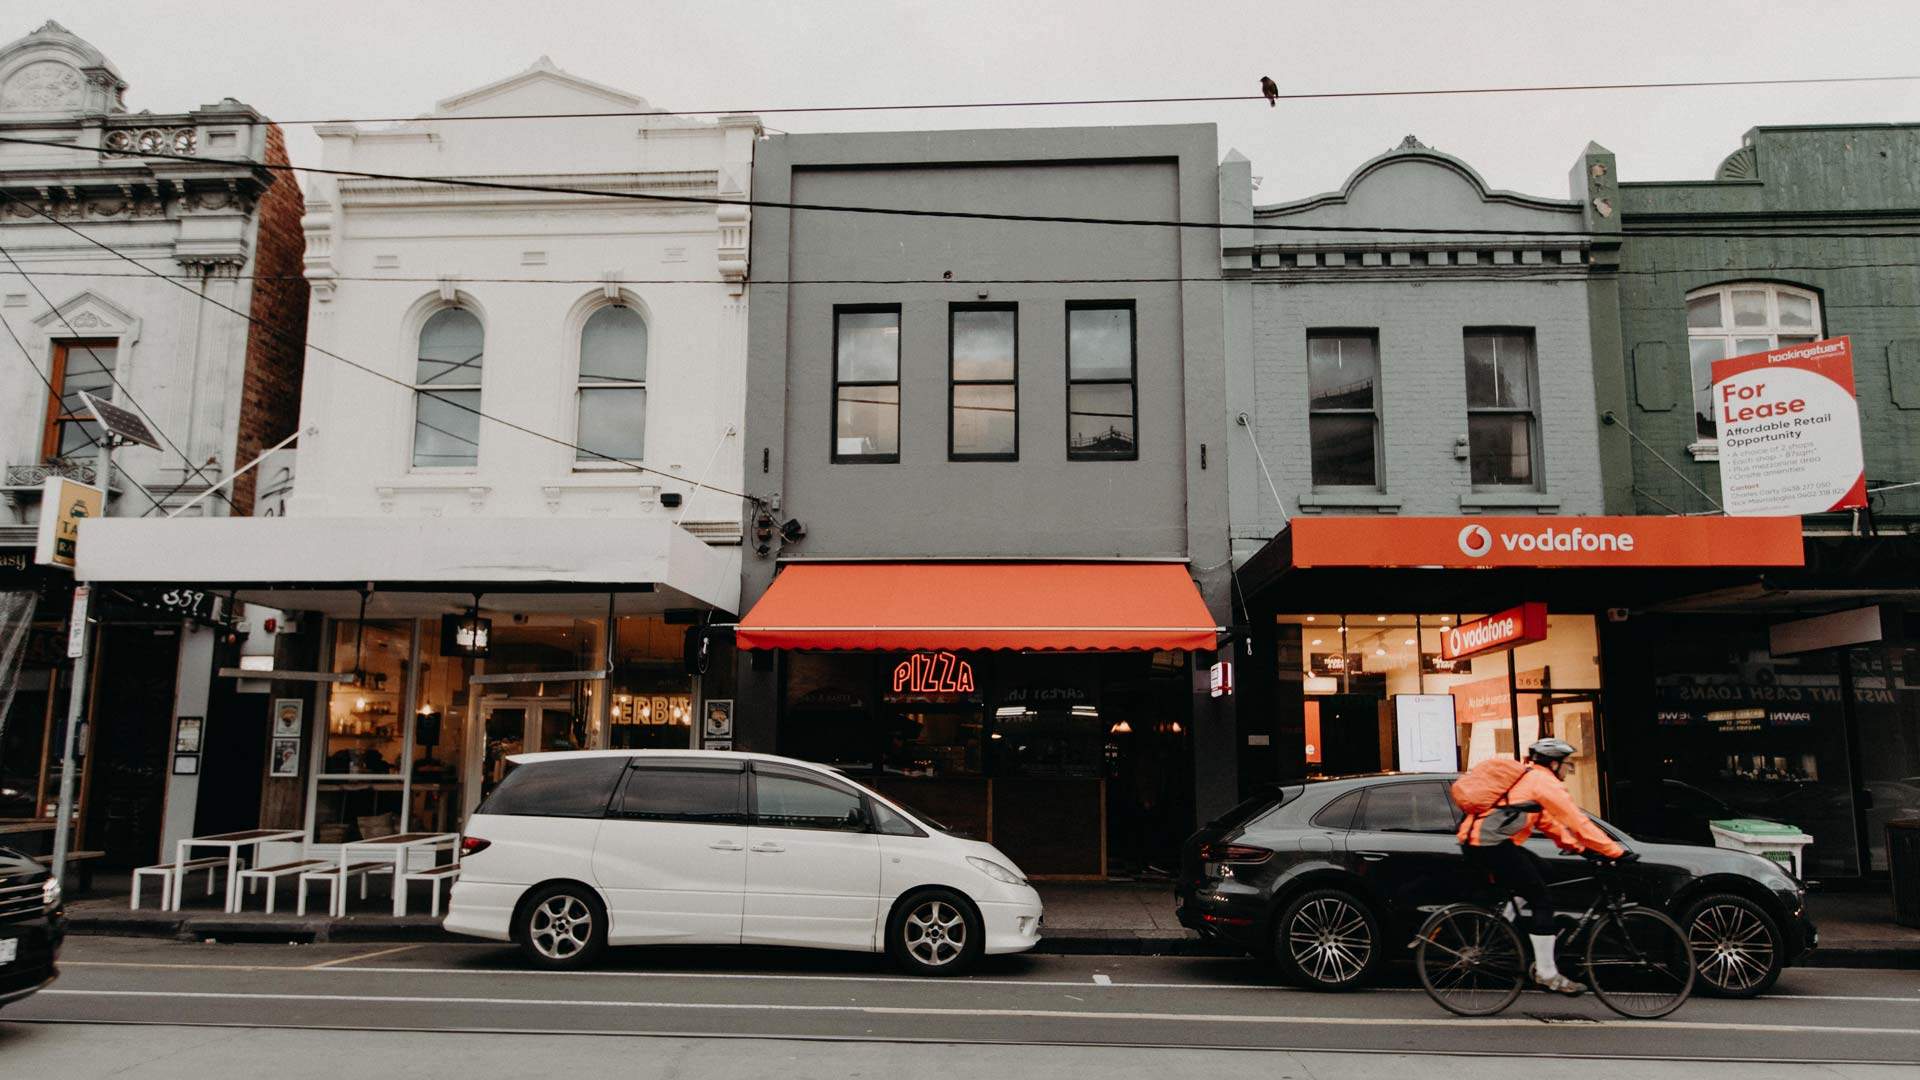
pixel 933 673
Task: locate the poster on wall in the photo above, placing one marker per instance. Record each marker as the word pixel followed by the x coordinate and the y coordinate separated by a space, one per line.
pixel 287 714
pixel 286 757
pixel 186 735
pixel 1789 431
pixel 717 727
pixel 1425 732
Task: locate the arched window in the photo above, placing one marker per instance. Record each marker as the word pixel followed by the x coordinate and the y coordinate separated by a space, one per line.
pixel 613 386
pixel 446 391
pixel 1737 320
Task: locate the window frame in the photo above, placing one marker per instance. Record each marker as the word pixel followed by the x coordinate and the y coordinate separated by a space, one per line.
pixel 742 792
pixel 1132 380
pixel 1703 443
pixel 774 771
pixel 833 403
pixel 53 422
pixel 581 388
pixel 1379 426
pixel 1536 458
pixel 416 389
pixel 954 382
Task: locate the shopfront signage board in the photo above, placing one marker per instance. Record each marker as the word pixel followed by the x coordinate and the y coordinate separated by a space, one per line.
pixel 1425 732
pixel 1546 542
pixel 1500 631
pixel 1789 429
pixel 64 504
pixel 1220 679
pixel 933 673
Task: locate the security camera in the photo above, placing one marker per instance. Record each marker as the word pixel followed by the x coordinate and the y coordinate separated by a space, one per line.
pixel 1617 614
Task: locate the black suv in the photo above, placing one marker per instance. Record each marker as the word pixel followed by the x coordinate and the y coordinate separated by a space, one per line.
pixel 1330 880
pixel 31 926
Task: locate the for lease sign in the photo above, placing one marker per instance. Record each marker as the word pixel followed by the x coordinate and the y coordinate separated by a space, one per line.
pixel 1789 431
pixel 1502 630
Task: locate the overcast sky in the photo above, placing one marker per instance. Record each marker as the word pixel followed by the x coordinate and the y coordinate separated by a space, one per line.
pixel 357 58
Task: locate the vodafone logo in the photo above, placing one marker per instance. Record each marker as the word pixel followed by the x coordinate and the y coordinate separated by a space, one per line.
pixel 1477 540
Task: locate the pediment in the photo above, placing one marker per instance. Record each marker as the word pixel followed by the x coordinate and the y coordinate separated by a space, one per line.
pixel 542 87
pixel 88 314
pixel 54 70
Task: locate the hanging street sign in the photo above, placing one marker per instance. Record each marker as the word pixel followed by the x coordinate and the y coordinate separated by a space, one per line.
pixel 64 504
pixel 124 423
pixel 1789 431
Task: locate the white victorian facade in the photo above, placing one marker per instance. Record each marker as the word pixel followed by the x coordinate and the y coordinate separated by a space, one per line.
pixel 521 406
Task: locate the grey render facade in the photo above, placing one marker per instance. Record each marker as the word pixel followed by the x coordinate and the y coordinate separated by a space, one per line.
pixel 1164 501
pixel 1418 297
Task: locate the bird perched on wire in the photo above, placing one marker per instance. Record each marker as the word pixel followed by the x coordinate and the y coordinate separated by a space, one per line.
pixel 1268 87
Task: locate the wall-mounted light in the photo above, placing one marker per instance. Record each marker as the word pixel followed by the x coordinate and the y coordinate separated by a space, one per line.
pixel 1121 728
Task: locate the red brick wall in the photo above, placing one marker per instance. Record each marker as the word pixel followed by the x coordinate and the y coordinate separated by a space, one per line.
pixel 276 342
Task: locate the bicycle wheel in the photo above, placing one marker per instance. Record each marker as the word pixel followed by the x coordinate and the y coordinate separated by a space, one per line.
pixel 1469 960
pixel 1639 963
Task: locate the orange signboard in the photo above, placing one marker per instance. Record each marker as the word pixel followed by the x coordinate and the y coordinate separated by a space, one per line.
pixel 1507 629
pixel 1469 542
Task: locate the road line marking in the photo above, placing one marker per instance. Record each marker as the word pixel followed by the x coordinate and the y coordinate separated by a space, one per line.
pixel 1103 980
pixel 360 956
pixel 1455 1022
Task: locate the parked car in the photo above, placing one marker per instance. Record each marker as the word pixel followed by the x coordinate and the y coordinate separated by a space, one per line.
pixel 1331 880
pixel 575 851
pixel 32 923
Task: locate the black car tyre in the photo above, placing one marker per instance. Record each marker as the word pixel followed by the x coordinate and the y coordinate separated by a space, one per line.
pixel 1736 945
pixel 561 927
pixel 935 932
pixel 1327 939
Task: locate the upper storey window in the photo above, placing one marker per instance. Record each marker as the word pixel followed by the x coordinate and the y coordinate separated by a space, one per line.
pixel 1102 399
pixel 446 391
pixel 77 366
pixel 866 383
pixel 613 387
pixel 1737 320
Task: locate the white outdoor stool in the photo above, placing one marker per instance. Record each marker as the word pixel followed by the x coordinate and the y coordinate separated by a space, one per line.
pixel 272 875
pixel 173 876
pixel 433 876
pixel 333 876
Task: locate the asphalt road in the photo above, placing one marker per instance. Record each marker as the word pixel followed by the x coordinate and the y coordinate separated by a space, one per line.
pixel 163 1008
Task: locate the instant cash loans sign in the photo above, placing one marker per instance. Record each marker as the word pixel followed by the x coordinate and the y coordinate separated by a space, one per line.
pixel 1789 430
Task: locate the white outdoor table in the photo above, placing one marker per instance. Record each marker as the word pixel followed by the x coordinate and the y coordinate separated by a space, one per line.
pixel 232 842
pixel 397 847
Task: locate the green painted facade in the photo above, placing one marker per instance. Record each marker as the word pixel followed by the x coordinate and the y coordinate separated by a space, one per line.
pixel 1854 183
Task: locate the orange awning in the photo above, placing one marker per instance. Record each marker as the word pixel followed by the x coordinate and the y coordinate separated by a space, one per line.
pixel 980 605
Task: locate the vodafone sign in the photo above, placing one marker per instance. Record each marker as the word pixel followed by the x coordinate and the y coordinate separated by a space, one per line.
pixel 1789 430
pixel 1461 542
pixel 1502 630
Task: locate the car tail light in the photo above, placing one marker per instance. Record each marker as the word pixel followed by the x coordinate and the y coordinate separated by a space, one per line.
pixel 473 845
pixel 1234 853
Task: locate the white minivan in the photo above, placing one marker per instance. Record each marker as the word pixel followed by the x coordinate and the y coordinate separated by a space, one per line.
pixel 578 850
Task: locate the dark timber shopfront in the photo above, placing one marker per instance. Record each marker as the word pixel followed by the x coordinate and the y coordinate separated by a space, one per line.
pixel 1045 707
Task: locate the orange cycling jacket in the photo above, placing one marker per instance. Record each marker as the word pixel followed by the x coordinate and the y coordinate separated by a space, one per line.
pixel 1499 782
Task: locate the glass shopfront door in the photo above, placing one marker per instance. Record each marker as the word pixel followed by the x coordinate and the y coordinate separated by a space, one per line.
pixel 525 726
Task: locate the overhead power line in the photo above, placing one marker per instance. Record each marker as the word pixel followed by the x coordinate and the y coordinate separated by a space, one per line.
pixel 1562 236
pixel 283 335
pixel 942 106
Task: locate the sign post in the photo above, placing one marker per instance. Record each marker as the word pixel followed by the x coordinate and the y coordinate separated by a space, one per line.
pixel 1789 431
pixel 77 641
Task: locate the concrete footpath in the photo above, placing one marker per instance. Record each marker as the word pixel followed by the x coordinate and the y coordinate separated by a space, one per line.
pixel 1094 919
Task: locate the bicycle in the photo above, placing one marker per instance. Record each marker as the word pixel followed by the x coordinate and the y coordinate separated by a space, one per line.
pixel 1637 961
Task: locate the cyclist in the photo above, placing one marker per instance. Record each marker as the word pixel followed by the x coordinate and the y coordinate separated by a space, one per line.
pixel 1504 801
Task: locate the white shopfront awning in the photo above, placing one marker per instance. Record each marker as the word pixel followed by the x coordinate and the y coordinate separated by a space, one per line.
pixel 417 566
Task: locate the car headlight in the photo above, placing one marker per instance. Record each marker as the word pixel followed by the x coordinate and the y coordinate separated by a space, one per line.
pixel 995 871
pixel 50 893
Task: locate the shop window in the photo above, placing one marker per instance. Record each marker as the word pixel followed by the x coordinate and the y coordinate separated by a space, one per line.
pixel 446 391
pixel 1343 407
pixel 360 790
pixel 983 365
pixel 611 399
pixel 652 702
pixel 866 383
pixel 1502 423
pixel 77 366
pixel 1102 398
pixel 1739 319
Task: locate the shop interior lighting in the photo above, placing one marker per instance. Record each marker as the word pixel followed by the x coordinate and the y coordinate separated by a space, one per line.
pixel 1121 728
pixel 1316 641
pixel 1087 710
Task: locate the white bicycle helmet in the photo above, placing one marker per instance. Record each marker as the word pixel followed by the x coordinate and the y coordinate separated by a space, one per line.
pixel 1551 750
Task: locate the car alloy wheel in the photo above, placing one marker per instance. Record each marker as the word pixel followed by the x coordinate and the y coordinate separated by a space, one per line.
pixel 1327 939
pixel 1735 946
pixel 561 927
pixel 935 933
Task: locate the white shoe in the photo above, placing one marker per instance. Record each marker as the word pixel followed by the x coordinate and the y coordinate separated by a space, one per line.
pixel 1558 983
